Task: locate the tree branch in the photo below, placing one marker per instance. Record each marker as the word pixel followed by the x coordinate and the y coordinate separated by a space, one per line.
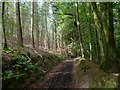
pixel 69 14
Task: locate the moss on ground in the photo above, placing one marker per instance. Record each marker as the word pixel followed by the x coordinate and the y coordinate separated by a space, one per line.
pixel 90 73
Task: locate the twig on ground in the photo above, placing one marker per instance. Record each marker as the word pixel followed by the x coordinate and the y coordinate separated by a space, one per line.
pixel 38 53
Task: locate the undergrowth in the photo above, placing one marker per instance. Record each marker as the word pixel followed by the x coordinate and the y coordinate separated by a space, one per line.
pixel 21 70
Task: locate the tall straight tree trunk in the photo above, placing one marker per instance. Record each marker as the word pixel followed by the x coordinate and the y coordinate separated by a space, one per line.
pixel 111 31
pixel 56 46
pixel 111 27
pixel 97 46
pixel 32 25
pixel 7 24
pixel 47 45
pixel 58 43
pixel 90 43
pixel 53 37
pixel 118 42
pixel 106 34
pixel 37 35
pixel 11 32
pixel 5 46
pixel 42 37
pixel 79 32
pixel 90 30
pixel 104 29
pixel 19 28
pixel 99 33
pixel 37 27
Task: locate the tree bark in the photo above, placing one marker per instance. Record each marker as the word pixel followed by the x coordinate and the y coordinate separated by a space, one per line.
pixel 79 32
pixel 19 28
pixel 111 26
pixel 53 37
pixel 46 29
pixel 56 46
pixel 105 32
pixel 111 32
pixel 5 46
pixel 90 43
pixel 99 27
pixel 118 33
pixel 32 25
pixel 37 26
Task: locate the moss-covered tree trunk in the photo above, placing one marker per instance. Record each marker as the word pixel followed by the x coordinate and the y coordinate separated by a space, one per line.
pixel 79 32
pixel 99 32
pixel 105 31
pixel 104 28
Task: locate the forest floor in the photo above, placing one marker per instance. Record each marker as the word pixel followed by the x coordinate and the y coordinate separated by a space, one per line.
pixel 46 70
pixel 73 73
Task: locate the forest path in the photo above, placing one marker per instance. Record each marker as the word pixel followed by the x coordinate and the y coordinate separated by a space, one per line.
pixel 62 76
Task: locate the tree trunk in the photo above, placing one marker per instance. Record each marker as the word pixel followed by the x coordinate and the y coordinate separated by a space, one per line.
pixel 79 32
pixel 7 24
pixel 90 30
pixel 37 36
pixel 98 24
pixel 37 27
pixel 42 37
pixel 111 27
pixel 105 34
pixel 111 31
pixel 90 42
pixel 32 25
pixel 46 29
pixel 56 46
pixel 53 37
pixel 5 46
pixel 19 28
pixel 118 33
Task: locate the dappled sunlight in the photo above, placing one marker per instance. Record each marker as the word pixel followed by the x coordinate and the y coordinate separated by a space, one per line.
pixel 60 44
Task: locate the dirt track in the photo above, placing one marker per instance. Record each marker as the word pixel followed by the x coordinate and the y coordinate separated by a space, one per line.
pixel 62 76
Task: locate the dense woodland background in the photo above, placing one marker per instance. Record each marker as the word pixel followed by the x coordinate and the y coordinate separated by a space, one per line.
pixel 89 30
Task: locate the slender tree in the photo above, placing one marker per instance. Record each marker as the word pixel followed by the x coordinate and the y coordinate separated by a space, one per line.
pixel 46 28
pixel 5 46
pixel 32 25
pixel 56 45
pixel 111 26
pixel 78 29
pixel 19 27
pixel 100 33
pixel 37 25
